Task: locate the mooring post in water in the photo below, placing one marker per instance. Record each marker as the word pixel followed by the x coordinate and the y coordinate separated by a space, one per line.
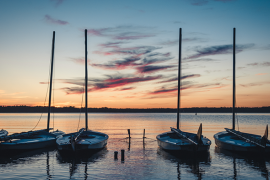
pixel 122 155
pixel 143 138
pixel 115 155
pixel 129 133
pixel 144 134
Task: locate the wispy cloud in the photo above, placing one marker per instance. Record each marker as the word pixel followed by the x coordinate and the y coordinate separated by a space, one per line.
pixel 204 2
pixel 80 60
pixel 198 2
pixel 151 68
pixel 125 89
pixel 217 50
pixel 176 42
pixel 111 82
pixel 139 50
pixel 225 0
pixel 199 60
pixel 51 20
pixel 119 64
pixel 172 79
pixel 186 85
pixel 123 32
pixel 261 74
pixel 255 84
pixel 259 64
pixel 140 58
pixel 57 2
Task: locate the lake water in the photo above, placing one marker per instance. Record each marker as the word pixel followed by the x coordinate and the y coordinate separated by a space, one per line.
pixel 143 160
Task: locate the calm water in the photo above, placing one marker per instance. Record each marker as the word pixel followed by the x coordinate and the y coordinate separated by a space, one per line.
pixel 143 160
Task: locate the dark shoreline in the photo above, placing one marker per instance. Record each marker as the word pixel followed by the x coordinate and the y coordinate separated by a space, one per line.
pixel 42 109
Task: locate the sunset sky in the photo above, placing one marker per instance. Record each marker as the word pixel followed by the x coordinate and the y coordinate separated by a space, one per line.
pixel 133 52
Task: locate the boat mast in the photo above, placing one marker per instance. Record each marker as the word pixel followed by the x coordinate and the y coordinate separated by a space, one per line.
pixel 179 76
pixel 50 92
pixel 86 80
pixel 233 110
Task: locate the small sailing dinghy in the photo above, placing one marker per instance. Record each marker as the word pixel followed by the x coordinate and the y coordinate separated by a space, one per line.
pixel 84 139
pixel 33 139
pixel 236 140
pixel 3 133
pixel 177 140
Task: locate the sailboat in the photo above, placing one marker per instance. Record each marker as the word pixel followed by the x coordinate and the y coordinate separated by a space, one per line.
pixel 177 140
pixel 33 139
pixel 84 139
pixel 232 139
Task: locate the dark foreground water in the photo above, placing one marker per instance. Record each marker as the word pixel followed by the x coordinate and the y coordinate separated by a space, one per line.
pixel 143 159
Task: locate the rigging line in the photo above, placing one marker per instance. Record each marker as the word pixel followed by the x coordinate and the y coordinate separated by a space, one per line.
pixel 80 113
pixel 45 97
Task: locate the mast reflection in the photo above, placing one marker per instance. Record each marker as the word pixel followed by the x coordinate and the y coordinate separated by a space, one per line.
pixel 193 160
pixel 76 160
pixel 255 161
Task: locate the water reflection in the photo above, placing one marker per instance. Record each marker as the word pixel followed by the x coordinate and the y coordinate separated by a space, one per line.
pixel 29 158
pixel 191 160
pixel 84 160
pixel 254 161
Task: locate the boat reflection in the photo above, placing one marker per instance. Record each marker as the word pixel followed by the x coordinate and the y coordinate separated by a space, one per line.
pixel 28 157
pixel 24 155
pixel 76 160
pixel 192 160
pixel 256 162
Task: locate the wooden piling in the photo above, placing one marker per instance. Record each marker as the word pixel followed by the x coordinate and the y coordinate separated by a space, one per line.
pixel 129 133
pixel 122 155
pixel 115 155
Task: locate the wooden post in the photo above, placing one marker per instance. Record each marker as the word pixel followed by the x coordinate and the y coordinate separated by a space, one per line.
pixel 115 155
pixel 129 133
pixel 122 155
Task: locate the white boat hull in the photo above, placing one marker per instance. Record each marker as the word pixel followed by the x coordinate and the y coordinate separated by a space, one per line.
pixel 228 141
pixel 89 140
pixel 178 144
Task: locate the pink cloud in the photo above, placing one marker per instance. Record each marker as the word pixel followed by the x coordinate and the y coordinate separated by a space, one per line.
pixel 260 74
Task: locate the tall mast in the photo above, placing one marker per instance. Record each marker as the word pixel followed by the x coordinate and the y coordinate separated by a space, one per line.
pixel 179 75
pixel 233 110
pixel 50 92
pixel 86 85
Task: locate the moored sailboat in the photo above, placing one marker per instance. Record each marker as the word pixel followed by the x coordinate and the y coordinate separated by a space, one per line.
pixel 234 140
pixel 84 139
pixel 177 140
pixel 33 139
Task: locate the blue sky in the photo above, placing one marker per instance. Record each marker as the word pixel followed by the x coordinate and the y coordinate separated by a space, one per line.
pixel 133 52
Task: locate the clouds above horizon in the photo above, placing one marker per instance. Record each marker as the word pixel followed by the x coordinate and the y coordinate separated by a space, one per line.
pixel 262 64
pixel 204 2
pixel 217 50
pixel 51 20
pixel 110 82
pixel 123 32
pixel 255 84
pixel 119 82
pixel 57 2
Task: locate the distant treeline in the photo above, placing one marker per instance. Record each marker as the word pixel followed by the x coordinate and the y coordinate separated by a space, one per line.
pixel 72 109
